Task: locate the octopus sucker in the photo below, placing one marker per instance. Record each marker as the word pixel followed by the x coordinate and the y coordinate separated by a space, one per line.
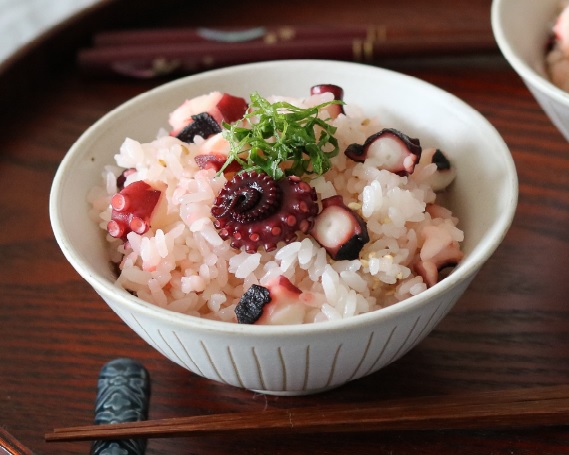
pixel 254 210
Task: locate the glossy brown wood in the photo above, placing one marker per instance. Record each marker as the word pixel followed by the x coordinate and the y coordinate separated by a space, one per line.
pixel 509 330
pixel 11 446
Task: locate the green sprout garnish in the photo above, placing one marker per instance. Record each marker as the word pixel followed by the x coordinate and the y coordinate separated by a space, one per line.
pixel 283 139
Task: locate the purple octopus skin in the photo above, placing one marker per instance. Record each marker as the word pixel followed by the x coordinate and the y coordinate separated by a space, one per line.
pixel 340 230
pixel 121 179
pixel 216 161
pixel 255 210
pixel 445 173
pixel 440 160
pixel 448 256
pixel 334 109
pixel 430 270
pixel 132 209
pixel 402 164
pixel 265 304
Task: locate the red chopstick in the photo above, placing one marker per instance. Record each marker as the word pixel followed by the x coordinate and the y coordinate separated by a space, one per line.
pixel 224 34
pixel 150 53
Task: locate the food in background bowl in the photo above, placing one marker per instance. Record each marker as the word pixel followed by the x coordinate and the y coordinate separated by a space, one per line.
pixel 557 49
pixel 278 211
pixel 296 359
pixel 523 30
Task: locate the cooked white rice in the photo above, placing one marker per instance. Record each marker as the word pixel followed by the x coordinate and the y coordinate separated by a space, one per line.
pixel 183 265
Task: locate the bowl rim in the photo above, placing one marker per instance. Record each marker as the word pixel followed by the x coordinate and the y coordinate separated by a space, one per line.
pixel 464 271
pixel 523 68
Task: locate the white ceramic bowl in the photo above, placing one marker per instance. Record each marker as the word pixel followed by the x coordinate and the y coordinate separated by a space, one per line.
pixel 308 358
pixel 521 29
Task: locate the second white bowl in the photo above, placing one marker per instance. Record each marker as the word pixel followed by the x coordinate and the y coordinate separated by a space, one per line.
pixel 522 29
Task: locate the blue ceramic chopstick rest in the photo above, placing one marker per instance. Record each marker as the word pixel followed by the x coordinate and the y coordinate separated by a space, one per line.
pixel 123 393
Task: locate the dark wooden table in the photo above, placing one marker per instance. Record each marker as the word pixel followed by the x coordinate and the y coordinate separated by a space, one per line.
pixel 510 329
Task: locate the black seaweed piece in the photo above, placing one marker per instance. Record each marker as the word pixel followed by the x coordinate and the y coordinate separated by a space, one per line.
pixel 123 395
pixel 441 160
pixel 203 125
pixel 250 306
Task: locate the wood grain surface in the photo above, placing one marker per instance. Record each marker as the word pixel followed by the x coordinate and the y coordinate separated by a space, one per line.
pixel 510 329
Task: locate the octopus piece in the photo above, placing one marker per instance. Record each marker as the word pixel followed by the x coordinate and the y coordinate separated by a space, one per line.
pixel 214 152
pixel 388 149
pixel 340 230
pixel 557 51
pixel 202 124
pixel 445 173
pixel 209 112
pixel 439 252
pixel 334 109
pixel 254 210
pixel 285 306
pixel 121 179
pixel 276 304
pixel 561 31
pixel 216 161
pixel 558 68
pixel 134 208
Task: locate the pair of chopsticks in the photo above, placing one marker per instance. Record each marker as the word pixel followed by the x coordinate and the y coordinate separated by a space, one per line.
pixel 155 52
pixel 520 408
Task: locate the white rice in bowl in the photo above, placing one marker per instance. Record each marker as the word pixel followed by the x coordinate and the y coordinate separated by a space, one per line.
pixel 182 264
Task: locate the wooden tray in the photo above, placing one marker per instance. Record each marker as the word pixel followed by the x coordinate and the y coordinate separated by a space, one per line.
pixel 509 329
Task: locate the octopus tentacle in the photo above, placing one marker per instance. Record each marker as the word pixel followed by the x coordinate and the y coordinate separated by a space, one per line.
pixel 254 210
